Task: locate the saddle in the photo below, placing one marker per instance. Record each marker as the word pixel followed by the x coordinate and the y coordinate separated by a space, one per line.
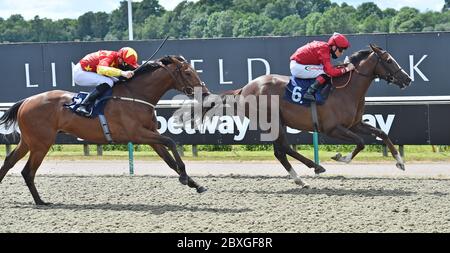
pixel 97 108
pixel 296 88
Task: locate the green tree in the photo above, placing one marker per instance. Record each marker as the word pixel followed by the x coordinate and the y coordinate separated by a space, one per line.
pixel 311 23
pixel 280 9
pixel 253 25
pixel 142 10
pixel 406 20
pixel 389 13
pixel 43 30
pixel 101 25
pixel 67 28
pixel 369 24
pixel 250 6
pixel 446 6
pixel 150 29
pixel 211 6
pixel 16 29
pixel 220 24
pixel 335 20
pixel 84 28
pixel 443 22
pixel 383 25
pixel 305 7
pixel 291 25
pixel 430 19
pixel 181 19
pixel 367 9
pixel 198 26
pixel 93 26
pixel 119 22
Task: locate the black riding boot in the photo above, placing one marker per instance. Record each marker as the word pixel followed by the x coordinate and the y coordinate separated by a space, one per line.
pixel 85 106
pixel 310 93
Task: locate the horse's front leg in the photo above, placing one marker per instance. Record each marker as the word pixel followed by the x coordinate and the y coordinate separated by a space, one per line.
pixel 346 134
pixel 153 137
pixel 165 155
pixel 364 128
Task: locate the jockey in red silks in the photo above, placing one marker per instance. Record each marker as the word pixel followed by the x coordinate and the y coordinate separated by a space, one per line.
pixel 313 61
pixel 100 69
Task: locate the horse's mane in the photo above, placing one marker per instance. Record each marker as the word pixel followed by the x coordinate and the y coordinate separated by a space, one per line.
pixel 154 65
pixel 360 55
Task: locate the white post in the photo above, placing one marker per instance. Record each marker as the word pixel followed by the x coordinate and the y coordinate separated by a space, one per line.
pixel 130 21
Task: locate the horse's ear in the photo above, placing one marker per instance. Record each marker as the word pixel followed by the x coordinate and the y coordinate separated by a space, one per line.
pixel 375 48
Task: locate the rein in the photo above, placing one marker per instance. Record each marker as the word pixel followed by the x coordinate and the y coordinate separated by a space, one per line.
pixel 343 86
pixel 134 100
pixel 129 99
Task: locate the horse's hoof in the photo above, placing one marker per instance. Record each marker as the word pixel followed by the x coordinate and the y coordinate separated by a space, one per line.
pixel 299 182
pixel 401 166
pixel 319 169
pixel 42 203
pixel 337 157
pixel 184 179
pixel 201 189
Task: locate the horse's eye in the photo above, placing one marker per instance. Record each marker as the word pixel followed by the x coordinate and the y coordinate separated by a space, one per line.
pixel 389 61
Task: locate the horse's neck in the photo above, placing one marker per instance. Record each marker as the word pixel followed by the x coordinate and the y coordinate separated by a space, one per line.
pixel 361 83
pixel 149 88
pixel 360 87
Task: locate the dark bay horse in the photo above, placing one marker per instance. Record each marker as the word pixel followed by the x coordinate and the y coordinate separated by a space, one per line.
pixel 341 115
pixel 41 116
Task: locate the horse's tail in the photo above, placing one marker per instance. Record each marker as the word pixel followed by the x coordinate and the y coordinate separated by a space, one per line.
pixel 10 116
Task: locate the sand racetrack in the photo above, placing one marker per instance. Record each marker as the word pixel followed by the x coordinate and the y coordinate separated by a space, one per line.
pixel 376 199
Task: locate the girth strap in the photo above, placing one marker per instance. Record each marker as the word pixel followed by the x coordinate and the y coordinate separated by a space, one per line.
pixel 102 117
pixel 314 116
pixel 105 128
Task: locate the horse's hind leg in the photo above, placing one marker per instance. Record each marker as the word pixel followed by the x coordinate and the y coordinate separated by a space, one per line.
pixel 165 155
pixel 367 129
pixel 343 133
pixel 283 143
pixel 151 137
pixel 29 173
pixel 11 159
pixel 280 154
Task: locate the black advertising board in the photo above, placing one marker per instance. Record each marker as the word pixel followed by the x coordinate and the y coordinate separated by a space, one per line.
pixel 224 64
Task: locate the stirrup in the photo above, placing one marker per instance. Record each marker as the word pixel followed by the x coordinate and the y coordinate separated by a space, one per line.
pixel 82 109
pixel 310 97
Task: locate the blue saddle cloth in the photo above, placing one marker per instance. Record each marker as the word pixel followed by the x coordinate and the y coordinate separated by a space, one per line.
pixel 99 105
pixel 297 87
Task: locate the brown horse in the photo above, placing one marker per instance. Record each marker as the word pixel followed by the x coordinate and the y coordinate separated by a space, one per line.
pixel 339 117
pixel 40 117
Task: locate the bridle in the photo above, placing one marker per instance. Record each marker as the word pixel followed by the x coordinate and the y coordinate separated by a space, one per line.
pixel 391 75
pixel 187 89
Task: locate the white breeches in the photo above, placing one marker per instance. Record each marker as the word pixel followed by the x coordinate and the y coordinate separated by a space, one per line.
pixel 86 78
pixel 306 71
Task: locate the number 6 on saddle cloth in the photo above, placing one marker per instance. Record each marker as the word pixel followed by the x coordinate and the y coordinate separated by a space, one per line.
pixel 297 87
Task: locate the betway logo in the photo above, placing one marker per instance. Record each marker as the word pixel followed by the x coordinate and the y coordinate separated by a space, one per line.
pixel 229 125
pixel 222 124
